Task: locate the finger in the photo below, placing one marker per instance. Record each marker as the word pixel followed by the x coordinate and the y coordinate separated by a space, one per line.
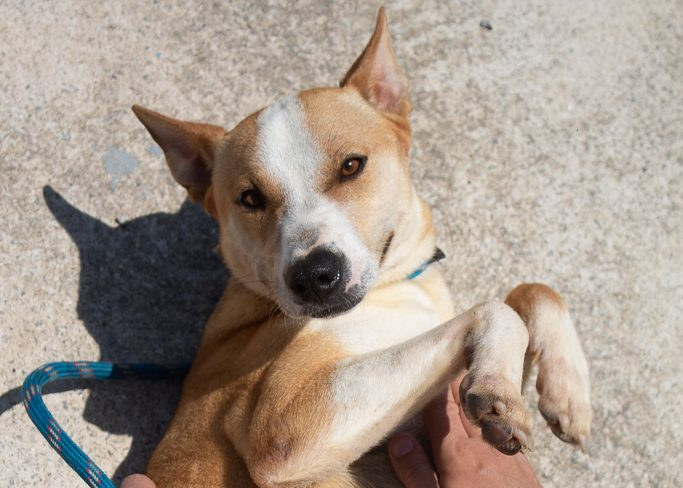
pixel 442 421
pixel 410 462
pixel 445 430
pixel 138 481
pixel 470 429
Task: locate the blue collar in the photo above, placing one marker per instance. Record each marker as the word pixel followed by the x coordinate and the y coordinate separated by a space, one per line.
pixel 437 256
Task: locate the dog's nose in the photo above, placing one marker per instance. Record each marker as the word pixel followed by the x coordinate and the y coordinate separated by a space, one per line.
pixel 317 277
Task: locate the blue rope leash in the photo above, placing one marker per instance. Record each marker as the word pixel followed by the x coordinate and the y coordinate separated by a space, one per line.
pixel 32 390
pixel 31 393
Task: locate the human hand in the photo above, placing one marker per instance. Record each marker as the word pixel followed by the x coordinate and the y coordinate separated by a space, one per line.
pixel 461 456
pixel 137 481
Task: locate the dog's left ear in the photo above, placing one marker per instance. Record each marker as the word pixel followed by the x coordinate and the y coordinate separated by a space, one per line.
pixel 376 74
pixel 190 149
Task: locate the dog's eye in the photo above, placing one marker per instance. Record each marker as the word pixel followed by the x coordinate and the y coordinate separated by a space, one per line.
pixel 352 166
pixel 252 199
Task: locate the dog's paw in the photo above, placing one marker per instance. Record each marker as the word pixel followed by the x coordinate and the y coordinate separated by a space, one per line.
pixel 496 406
pixel 564 400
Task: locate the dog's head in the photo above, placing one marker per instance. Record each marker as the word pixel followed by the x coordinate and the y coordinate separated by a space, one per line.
pixel 310 192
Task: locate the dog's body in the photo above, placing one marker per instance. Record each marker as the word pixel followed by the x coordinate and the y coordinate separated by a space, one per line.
pixel 321 346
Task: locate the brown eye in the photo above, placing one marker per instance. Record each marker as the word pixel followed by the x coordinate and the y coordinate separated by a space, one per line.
pixel 252 199
pixel 352 166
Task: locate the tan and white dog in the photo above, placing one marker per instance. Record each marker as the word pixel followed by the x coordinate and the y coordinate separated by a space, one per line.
pixel 321 347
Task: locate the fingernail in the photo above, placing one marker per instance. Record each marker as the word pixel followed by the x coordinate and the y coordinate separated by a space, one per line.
pixel 401 446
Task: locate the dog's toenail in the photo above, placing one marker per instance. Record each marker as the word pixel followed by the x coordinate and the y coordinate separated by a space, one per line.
pixel 500 407
pixel 564 422
pixel 583 443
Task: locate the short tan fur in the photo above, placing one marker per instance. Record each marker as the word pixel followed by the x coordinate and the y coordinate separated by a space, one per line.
pixel 300 384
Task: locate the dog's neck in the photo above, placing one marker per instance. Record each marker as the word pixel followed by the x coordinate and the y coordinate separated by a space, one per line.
pixel 412 245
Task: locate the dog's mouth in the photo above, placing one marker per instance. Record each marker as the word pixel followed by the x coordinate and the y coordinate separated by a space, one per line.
pixel 324 311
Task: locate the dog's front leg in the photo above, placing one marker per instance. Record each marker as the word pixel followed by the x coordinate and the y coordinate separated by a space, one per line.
pixel 313 420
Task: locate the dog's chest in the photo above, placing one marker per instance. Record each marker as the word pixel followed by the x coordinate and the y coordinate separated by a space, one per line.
pixel 388 316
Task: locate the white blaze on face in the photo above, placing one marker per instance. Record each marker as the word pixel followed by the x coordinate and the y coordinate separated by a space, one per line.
pixel 286 148
pixel 289 153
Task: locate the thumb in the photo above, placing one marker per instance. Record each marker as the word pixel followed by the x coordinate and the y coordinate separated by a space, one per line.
pixel 410 462
pixel 137 481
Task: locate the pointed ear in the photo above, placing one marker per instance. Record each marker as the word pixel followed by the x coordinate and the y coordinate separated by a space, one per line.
pixel 376 74
pixel 190 149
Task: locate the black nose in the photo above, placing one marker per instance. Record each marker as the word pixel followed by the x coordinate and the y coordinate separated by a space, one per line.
pixel 316 278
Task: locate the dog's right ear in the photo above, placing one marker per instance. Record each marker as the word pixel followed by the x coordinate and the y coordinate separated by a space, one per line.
pixel 376 73
pixel 190 149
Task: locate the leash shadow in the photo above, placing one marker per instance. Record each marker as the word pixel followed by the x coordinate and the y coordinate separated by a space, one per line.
pixel 146 289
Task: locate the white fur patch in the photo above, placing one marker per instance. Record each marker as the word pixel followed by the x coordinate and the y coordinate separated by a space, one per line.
pixel 387 319
pixel 287 149
pixel 289 153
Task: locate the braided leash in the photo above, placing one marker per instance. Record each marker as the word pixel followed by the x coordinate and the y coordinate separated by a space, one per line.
pixel 31 393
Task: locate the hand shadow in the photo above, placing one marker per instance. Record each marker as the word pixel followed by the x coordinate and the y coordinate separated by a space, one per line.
pixel 146 289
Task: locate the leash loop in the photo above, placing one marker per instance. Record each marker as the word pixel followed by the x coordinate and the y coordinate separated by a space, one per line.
pixel 31 394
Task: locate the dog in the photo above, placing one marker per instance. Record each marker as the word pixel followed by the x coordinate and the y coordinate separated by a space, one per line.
pixel 334 330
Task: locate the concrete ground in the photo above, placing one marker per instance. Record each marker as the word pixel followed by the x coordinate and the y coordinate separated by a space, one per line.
pixel 551 148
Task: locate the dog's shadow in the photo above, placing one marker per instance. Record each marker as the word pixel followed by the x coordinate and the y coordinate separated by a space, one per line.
pixel 146 289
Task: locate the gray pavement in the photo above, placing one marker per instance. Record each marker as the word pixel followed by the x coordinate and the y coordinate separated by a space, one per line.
pixel 551 148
